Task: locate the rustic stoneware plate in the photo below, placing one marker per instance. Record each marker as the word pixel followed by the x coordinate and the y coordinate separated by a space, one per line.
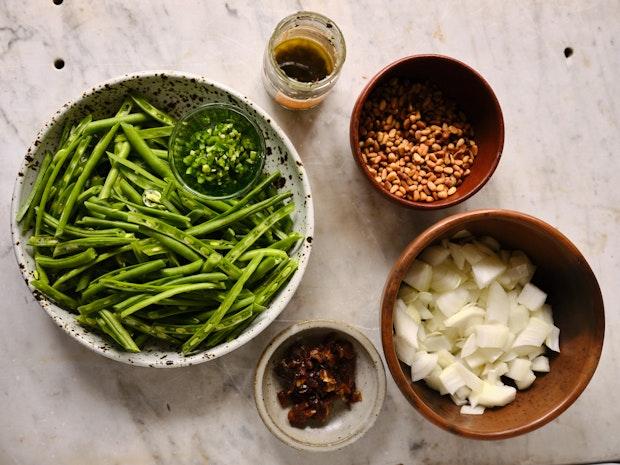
pixel 574 295
pixel 176 93
pixel 474 96
pixel 345 426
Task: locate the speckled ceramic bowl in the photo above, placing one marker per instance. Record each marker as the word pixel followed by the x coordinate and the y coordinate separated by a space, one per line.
pixel 346 425
pixel 175 93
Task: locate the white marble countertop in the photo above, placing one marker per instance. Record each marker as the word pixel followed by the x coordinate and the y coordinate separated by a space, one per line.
pixel 62 404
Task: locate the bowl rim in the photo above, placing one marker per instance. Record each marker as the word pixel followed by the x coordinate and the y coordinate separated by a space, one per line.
pixel 155 362
pixel 354 132
pixel 240 112
pixel 394 279
pixel 281 338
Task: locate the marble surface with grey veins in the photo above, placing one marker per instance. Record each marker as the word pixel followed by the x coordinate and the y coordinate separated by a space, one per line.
pixel 554 66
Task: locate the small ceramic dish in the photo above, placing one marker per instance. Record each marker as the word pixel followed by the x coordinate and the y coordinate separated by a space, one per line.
pixel 200 119
pixel 345 426
pixel 577 303
pixel 475 98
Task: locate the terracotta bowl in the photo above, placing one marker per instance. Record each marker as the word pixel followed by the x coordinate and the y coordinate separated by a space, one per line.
pixel 473 95
pixel 578 311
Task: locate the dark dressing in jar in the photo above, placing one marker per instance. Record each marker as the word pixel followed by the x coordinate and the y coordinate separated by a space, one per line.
pixel 303 59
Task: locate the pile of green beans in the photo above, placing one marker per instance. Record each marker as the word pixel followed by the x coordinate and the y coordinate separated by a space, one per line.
pixel 118 242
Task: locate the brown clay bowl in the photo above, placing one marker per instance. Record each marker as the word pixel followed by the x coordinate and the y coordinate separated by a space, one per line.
pixel 473 95
pixel 578 311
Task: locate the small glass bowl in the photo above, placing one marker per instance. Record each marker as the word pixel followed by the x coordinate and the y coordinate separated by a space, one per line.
pixel 204 117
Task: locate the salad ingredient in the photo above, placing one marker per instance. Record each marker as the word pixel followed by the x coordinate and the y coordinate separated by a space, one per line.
pixel 468 320
pixel 415 142
pixel 315 376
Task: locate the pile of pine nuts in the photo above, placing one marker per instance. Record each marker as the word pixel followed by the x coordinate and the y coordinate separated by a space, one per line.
pixel 415 143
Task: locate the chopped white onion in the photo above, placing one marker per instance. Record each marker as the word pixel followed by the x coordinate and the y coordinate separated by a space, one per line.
pixel 553 339
pixel 435 255
pixel 498 305
pixel 487 269
pixel 423 365
pixel 404 351
pixel 451 302
pixel 534 333
pixel 492 335
pixel 419 275
pixel 532 297
pixel 540 364
pixel 405 326
pixel 466 316
pixel 469 410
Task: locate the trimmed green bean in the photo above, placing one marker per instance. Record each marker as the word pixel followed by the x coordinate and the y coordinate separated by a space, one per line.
pixel 153 112
pixel 117 328
pixel 141 147
pixel 139 325
pixel 37 187
pixel 147 288
pixel 215 319
pixel 190 268
pixel 94 158
pixel 150 133
pixel 54 294
pixel 117 225
pixel 164 295
pixel 72 261
pixel 122 151
pixel 106 123
pixel 99 304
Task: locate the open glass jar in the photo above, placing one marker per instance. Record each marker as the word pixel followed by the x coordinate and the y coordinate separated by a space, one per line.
pixel 303 60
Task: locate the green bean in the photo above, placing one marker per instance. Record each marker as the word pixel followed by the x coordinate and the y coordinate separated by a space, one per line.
pixel 128 302
pixel 77 271
pixel 117 225
pixel 67 128
pixel 150 133
pixel 176 329
pixel 37 188
pixel 266 252
pixel 190 268
pixel 215 319
pixel 85 242
pixel 265 267
pixel 117 328
pixel 275 282
pixel 163 154
pixel 106 123
pixel 226 218
pixel 122 151
pixel 54 294
pixel 173 244
pixel 40 274
pixel 138 144
pixel 147 288
pixel 83 282
pixel 287 243
pixel 233 320
pixel 57 162
pixel 79 232
pixel 139 180
pixel 99 304
pixel 255 233
pixel 153 112
pixel 164 214
pixel 139 325
pixel 102 325
pixel 90 192
pixel 128 273
pixel 195 244
pixel 199 278
pixel 239 304
pixel 72 261
pixel 90 165
pixel 74 163
pixel 128 190
pixel 43 241
pixel 164 295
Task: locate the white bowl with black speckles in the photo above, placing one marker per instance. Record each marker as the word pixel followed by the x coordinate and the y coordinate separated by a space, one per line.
pixel 176 93
pixel 345 426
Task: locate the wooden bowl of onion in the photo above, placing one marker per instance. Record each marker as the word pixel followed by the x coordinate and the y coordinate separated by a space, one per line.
pixel 492 323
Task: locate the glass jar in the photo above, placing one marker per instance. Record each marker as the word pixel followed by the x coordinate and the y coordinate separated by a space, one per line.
pixel 321 34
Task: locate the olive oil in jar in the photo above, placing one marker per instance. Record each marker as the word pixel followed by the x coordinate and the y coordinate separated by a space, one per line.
pixel 303 59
